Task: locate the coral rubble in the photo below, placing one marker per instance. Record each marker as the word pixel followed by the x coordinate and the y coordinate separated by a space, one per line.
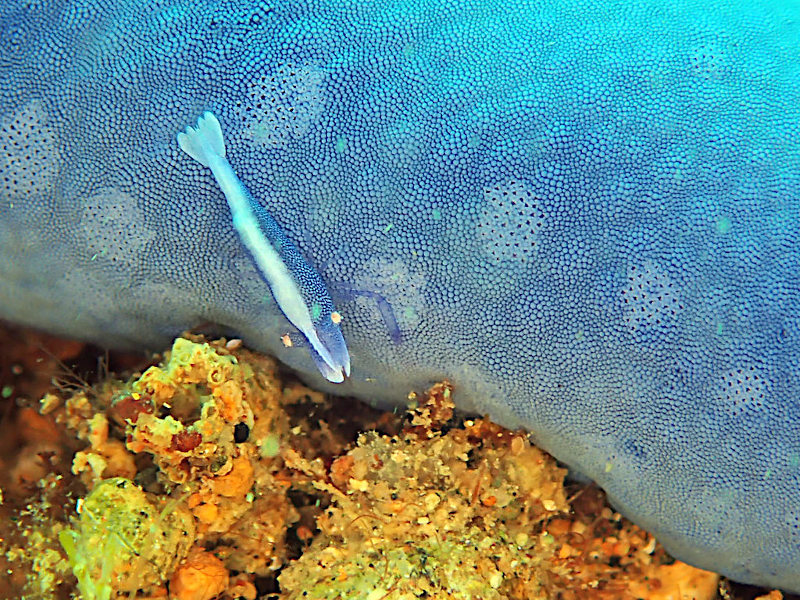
pixel 206 477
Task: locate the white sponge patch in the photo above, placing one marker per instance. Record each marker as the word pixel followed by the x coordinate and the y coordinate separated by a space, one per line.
pixel 510 221
pixel 650 298
pixel 112 227
pixel 282 105
pixel 29 157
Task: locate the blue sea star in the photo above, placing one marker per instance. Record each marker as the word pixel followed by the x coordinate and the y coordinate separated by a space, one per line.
pixel 586 215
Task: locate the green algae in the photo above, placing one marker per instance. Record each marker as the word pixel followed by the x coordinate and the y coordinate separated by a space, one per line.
pixel 122 541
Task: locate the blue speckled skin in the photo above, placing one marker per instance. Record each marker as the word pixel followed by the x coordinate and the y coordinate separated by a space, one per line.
pixel 586 216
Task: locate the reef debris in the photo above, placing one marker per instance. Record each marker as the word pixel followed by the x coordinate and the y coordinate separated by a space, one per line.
pixel 205 476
